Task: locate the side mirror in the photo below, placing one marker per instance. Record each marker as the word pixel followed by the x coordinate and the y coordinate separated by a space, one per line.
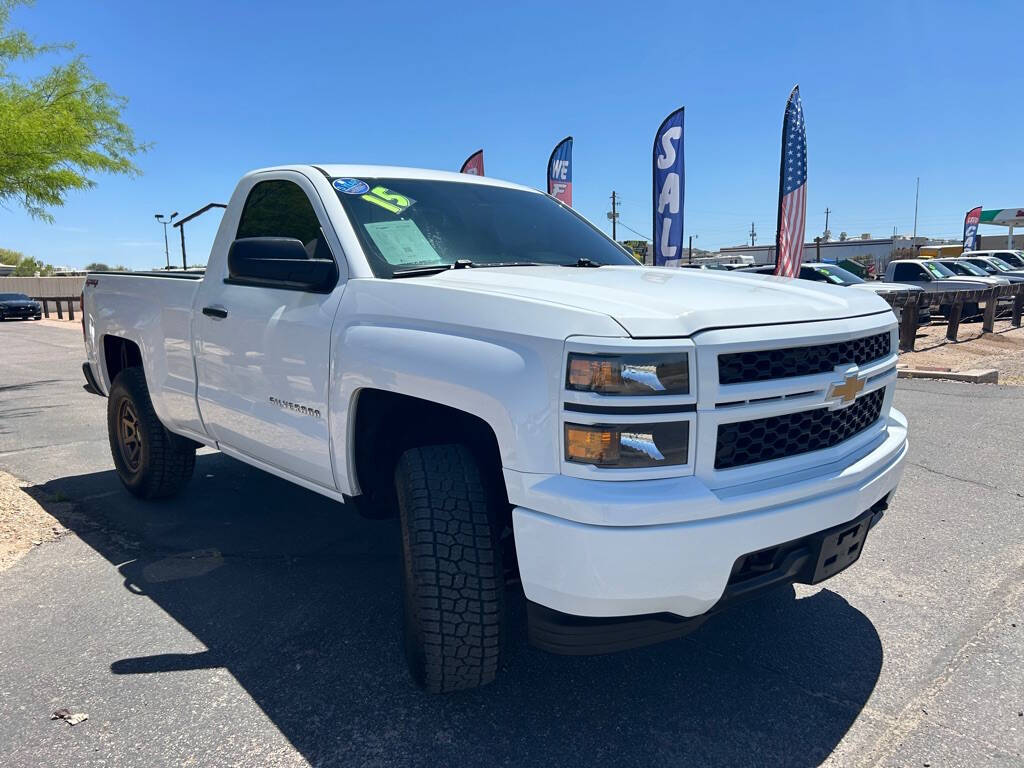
pixel 279 262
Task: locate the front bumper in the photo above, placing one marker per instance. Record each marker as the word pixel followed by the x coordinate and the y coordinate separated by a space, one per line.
pixel 809 560
pixel 684 568
pixel 23 313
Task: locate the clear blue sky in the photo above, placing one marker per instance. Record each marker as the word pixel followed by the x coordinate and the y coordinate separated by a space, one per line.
pixel 891 91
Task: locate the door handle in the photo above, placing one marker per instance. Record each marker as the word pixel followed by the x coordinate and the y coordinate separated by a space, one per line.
pixel 215 312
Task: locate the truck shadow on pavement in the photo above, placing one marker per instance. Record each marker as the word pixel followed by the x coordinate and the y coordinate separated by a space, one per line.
pixel 298 599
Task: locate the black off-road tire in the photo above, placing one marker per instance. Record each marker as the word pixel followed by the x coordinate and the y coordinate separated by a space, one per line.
pixel 453 581
pixel 156 464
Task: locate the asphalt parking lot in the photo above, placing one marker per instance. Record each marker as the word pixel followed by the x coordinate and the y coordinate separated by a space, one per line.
pixel 251 622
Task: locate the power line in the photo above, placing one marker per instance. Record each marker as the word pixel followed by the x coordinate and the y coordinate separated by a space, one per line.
pixel 645 237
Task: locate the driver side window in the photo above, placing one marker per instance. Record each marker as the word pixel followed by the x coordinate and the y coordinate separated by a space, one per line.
pixel 906 272
pixel 280 208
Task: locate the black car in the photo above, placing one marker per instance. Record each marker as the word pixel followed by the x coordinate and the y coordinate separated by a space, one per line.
pixel 18 305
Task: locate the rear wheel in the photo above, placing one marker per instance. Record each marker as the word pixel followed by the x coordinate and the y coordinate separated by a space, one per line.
pixel 453 582
pixel 151 462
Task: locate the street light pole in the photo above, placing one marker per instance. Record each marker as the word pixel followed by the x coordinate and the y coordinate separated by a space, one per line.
pixel 690 258
pixel 165 220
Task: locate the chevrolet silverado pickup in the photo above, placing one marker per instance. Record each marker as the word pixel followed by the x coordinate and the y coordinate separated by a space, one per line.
pixel 627 449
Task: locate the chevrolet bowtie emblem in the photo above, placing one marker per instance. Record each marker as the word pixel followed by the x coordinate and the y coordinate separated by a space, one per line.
pixel 848 390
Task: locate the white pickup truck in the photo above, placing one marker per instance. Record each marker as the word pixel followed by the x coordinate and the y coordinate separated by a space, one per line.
pixel 636 447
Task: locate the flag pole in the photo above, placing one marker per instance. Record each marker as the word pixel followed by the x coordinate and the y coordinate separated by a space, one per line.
pixel 782 175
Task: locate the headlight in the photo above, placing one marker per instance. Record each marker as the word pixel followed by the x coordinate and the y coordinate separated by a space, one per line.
pixel 633 374
pixel 628 445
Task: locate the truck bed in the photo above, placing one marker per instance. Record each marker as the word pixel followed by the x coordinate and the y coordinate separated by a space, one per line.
pixel 154 310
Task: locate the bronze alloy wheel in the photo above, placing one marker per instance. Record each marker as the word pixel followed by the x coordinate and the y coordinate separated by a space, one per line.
pixel 129 436
pixel 151 462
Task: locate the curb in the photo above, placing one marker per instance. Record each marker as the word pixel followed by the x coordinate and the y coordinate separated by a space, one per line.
pixel 973 376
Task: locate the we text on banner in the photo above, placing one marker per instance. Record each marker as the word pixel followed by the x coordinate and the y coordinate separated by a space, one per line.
pixel 560 171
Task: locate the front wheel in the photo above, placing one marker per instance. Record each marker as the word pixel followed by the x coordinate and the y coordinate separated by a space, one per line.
pixel 453 582
pixel 151 462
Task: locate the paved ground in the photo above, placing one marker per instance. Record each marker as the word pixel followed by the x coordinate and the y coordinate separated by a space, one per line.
pixel 255 623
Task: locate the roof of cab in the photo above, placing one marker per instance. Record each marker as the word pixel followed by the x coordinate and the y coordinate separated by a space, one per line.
pixel 335 171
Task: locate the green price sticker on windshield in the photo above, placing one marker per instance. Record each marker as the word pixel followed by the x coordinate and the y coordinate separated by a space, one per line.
pixel 388 199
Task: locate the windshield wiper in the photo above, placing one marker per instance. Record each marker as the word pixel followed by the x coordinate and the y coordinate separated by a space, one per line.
pixel 417 271
pixel 583 261
pixel 463 264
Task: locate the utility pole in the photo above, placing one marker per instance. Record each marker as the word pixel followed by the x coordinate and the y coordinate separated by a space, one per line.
pixel 614 216
pixel 827 234
pixel 690 258
pixel 165 220
pixel 917 194
pixel 753 235
pixel 817 249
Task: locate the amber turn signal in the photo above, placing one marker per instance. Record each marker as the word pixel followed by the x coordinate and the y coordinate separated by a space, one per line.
pixel 628 445
pixel 591 445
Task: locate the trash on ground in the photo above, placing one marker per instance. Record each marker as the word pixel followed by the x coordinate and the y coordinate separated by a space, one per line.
pixel 69 717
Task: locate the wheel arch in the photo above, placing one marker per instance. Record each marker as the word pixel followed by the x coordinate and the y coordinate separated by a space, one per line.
pixel 508 383
pixel 119 353
pixel 384 424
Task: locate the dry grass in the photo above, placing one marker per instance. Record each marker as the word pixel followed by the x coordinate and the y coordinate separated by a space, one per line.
pixel 1002 350
pixel 23 523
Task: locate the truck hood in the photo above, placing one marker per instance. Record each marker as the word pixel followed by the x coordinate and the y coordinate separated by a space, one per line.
pixel 969 282
pixel 879 286
pixel 651 302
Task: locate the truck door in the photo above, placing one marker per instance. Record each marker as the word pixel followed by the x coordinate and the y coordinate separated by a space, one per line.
pixel 263 346
pixel 912 274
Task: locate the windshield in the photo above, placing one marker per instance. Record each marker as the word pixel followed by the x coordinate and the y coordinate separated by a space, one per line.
pixel 13 297
pixel 999 264
pixel 832 274
pixel 1013 258
pixel 985 266
pixel 415 224
pixel 966 268
pixel 938 271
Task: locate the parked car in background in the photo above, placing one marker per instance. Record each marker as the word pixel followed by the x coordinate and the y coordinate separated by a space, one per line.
pixel 968 268
pixel 833 274
pixel 1014 258
pixel 19 306
pixel 935 277
pixel 994 266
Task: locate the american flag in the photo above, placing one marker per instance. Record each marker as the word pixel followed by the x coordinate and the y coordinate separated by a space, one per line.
pixel 789 244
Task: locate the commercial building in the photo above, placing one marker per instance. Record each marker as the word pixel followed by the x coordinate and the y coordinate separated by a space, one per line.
pixel 863 250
